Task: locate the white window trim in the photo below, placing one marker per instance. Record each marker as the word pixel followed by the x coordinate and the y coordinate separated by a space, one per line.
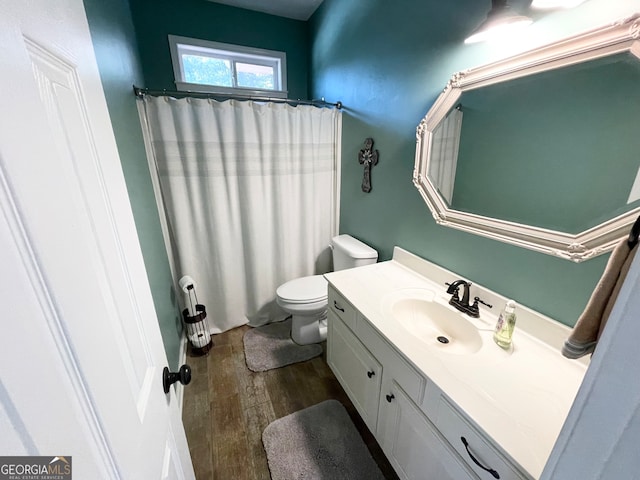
pixel 255 55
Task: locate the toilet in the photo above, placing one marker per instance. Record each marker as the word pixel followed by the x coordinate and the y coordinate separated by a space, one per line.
pixel 305 298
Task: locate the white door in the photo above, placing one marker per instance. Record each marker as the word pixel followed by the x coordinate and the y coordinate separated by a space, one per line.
pixel 81 355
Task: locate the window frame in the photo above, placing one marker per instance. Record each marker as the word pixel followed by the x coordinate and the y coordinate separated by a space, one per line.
pixel 235 54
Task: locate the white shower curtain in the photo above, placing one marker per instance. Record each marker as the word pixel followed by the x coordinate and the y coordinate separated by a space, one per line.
pixel 444 153
pixel 248 197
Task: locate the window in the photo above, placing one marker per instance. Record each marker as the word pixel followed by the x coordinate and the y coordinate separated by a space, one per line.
pixel 204 66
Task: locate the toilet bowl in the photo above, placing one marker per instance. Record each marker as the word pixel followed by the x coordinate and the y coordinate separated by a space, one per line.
pixel 305 298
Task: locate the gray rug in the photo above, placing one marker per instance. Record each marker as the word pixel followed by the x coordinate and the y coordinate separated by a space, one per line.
pixel 319 442
pixel 271 347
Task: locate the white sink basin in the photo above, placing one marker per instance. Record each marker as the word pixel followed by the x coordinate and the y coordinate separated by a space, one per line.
pixel 436 325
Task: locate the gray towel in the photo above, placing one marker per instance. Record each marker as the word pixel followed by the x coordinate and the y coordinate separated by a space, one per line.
pixel 589 327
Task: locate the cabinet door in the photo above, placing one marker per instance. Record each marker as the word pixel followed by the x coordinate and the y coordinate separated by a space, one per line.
pixel 411 443
pixel 356 369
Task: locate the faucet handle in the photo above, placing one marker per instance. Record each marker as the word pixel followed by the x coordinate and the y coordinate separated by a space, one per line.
pixel 477 299
pixel 453 290
pixel 473 310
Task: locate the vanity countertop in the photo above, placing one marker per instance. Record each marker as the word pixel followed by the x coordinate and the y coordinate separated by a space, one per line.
pixel 519 397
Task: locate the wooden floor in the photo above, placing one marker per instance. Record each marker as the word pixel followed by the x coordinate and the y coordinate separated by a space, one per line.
pixel 226 408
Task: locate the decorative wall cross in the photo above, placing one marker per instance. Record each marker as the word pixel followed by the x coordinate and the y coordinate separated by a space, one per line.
pixel 367 157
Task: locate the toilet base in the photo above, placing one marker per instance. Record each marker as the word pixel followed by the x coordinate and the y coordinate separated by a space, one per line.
pixel 307 329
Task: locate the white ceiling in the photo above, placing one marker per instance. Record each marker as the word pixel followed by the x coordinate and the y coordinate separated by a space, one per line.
pixel 296 9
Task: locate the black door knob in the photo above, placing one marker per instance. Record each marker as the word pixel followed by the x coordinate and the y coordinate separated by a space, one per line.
pixel 169 378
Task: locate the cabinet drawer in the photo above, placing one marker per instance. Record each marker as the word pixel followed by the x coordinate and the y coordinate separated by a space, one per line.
pixel 342 308
pixel 395 366
pixel 455 428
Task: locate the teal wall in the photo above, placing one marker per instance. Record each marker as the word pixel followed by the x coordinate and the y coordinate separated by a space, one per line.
pixel 388 62
pixel 156 19
pixel 116 51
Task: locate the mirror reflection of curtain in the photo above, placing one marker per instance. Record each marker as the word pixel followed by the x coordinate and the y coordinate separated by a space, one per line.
pixel 248 195
pixel 444 154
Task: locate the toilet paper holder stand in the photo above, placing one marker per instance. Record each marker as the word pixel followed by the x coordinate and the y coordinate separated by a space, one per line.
pixel 194 318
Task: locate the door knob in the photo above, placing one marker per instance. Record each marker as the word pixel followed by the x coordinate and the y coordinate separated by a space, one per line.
pixel 169 378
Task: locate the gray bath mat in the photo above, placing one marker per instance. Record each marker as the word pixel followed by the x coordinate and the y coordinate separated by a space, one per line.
pixel 319 442
pixel 271 347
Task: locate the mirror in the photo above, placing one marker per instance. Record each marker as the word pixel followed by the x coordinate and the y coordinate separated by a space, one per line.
pixel 540 150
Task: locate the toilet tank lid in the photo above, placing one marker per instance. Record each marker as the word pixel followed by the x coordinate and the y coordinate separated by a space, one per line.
pixel 353 246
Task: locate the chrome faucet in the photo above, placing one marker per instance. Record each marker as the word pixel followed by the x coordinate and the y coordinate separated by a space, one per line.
pixel 463 304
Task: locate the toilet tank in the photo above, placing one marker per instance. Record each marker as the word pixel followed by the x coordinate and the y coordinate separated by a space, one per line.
pixel 349 252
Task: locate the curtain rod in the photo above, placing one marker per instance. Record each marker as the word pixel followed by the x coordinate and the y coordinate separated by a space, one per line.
pixel 141 92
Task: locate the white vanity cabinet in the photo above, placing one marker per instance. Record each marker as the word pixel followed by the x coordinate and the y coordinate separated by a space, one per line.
pixel 417 427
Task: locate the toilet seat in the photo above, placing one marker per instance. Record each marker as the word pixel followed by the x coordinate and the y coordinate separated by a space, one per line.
pixel 304 290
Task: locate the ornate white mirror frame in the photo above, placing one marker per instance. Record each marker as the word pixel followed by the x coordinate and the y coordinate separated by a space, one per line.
pixel 619 37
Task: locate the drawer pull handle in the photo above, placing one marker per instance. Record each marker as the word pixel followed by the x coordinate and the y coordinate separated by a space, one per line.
pixel 337 307
pixel 371 374
pixel 390 397
pixel 490 470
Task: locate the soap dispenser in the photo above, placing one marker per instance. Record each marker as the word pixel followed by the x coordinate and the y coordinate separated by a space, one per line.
pixel 506 324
